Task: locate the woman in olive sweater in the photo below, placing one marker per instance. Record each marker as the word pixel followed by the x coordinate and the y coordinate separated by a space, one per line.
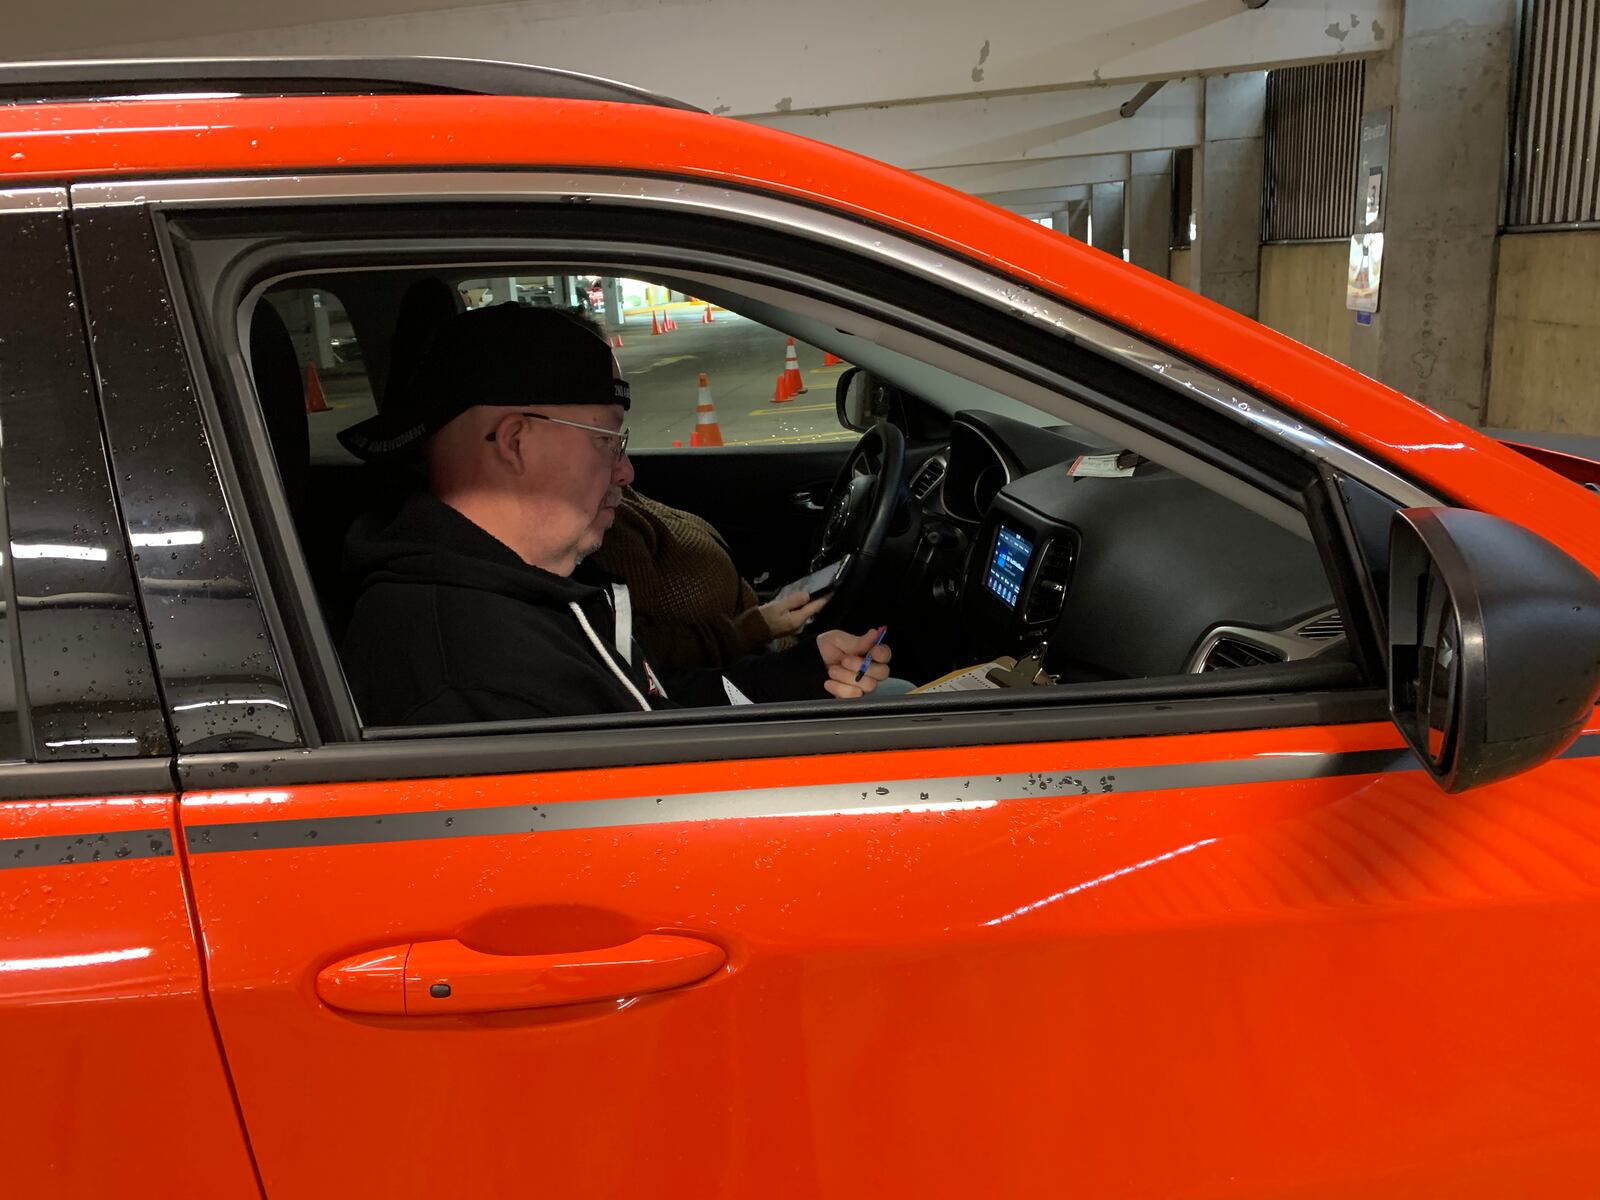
pixel 691 607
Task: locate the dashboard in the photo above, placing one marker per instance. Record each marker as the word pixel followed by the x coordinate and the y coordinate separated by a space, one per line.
pixel 1124 568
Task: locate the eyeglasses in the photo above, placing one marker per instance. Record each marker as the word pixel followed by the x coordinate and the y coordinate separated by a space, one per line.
pixel 620 434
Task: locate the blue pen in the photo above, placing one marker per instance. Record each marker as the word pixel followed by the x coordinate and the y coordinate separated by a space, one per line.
pixel 866 660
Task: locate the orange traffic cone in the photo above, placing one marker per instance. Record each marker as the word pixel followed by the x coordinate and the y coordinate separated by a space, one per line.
pixel 315 400
pixel 706 320
pixel 706 430
pixel 791 371
pixel 668 323
pixel 616 341
pixel 780 390
pixel 655 325
pixel 830 359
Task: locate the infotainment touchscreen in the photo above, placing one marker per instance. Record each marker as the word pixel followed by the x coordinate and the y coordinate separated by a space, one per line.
pixel 1008 565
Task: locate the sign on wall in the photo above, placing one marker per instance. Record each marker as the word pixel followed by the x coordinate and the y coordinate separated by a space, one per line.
pixel 1365 278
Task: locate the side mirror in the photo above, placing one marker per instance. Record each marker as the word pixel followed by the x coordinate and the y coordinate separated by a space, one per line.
pixel 1494 644
pixel 860 399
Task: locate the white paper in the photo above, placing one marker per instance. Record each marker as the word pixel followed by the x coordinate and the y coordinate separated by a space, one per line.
pixel 973 679
pixel 1100 466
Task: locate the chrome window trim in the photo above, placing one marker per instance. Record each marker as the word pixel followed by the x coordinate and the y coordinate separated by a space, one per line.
pixel 39 199
pixel 918 258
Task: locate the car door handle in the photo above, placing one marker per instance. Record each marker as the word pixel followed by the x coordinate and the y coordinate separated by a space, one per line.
pixel 443 977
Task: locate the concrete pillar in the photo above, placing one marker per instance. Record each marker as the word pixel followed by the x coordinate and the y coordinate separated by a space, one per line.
pixel 1073 220
pixel 1448 83
pixel 1225 263
pixel 1109 214
pixel 295 309
pixel 612 291
pixel 321 332
pixel 1149 211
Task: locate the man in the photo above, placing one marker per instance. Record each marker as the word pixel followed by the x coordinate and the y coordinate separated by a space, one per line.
pixel 469 608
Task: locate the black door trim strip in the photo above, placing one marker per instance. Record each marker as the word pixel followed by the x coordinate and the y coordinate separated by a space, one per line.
pixel 67 849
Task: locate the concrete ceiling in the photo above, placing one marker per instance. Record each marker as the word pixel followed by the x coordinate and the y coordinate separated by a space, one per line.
pixel 40 31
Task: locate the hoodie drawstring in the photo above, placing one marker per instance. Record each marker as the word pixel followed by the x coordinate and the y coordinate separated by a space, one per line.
pixel 622 607
pixel 600 649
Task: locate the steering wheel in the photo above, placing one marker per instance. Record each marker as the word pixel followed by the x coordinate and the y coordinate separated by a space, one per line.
pixel 860 507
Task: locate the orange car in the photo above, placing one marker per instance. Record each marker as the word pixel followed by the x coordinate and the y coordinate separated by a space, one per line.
pixel 1273 869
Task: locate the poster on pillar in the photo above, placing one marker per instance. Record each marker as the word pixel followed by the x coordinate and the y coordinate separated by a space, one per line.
pixel 1365 275
pixel 1364 281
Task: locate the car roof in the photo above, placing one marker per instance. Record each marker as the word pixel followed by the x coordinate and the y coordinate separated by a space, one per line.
pixel 171 78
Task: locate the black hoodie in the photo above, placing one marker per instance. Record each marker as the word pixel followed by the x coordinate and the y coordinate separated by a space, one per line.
pixel 450 625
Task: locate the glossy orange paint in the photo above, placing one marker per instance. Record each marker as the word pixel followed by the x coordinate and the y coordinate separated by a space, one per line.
pixel 152 138
pixel 444 977
pixel 114 1083
pixel 1347 985
pixel 472 981
pixel 371 982
pixel 1568 466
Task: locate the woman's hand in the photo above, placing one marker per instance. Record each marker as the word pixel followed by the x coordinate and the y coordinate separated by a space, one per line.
pixel 788 614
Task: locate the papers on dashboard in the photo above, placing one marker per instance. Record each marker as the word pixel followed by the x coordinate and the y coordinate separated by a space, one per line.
pixel 1104 466
pixel 968 679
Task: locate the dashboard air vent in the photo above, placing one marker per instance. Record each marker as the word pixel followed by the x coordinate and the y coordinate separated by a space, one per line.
pixel 1049 591
pixel 1229 652
pixel 928 478
pixel 1324 629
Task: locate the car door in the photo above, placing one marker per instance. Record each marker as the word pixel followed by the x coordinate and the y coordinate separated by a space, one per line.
pixel 108 1045
pixel 1218 945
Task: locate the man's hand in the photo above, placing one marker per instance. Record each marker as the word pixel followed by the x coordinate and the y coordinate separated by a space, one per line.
pixel 788 614
pixel 842 653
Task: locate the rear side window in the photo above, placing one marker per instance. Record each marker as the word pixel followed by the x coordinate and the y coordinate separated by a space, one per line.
pixel 330 363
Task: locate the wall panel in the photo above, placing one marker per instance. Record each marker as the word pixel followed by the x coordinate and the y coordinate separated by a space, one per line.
pixel 1302 294
pixel 1178 267
pixel 1545 368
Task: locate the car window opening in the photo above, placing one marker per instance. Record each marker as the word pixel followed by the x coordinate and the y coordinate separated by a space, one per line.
pixel 1026 548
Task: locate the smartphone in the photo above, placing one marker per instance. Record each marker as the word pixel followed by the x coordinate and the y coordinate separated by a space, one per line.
pixel 818 583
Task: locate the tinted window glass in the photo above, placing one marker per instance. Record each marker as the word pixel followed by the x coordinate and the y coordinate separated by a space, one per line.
pixel 68 591
pixel 666 341
pixel 219 672
pixel 332 366
pixel 13 739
